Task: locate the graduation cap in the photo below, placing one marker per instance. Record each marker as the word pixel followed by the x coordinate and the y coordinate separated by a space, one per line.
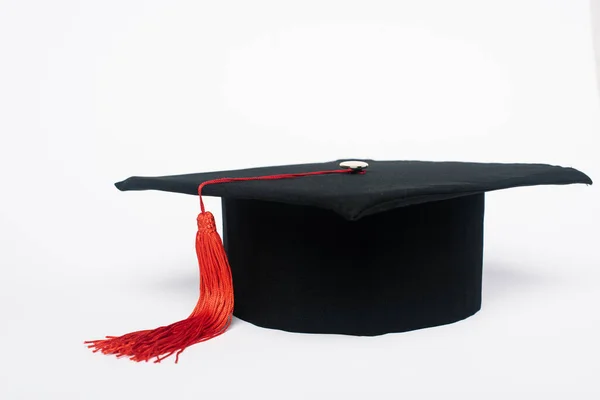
pixel 348 247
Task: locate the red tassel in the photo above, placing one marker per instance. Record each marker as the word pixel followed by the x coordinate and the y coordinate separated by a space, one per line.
pixel 210 318
pixel 214 309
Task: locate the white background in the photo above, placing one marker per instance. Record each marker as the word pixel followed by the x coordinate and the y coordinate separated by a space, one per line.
pixel 92 92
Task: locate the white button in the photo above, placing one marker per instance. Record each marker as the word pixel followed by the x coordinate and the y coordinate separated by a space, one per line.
pixel 354 165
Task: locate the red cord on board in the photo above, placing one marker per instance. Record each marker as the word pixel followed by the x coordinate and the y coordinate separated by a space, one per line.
pixel 213 311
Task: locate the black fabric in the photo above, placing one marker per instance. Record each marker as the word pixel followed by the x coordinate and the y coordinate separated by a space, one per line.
pixel 305 269
pixel 395 249
pixel 385 186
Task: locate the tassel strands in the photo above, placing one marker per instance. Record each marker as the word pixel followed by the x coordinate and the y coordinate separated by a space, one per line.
pixel 210 318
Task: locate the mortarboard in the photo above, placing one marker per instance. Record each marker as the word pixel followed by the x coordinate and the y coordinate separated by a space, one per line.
pixel 348 247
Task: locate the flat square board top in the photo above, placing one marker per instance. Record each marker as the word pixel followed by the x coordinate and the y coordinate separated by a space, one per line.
pixel 384 186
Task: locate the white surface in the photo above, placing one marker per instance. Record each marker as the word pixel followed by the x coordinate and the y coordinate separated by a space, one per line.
pixel 93 92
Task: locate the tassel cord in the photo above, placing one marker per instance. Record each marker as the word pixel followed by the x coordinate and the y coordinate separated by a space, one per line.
pixel 213 312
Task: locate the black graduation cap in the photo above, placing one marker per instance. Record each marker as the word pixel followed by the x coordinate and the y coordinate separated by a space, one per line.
pixel 348 247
